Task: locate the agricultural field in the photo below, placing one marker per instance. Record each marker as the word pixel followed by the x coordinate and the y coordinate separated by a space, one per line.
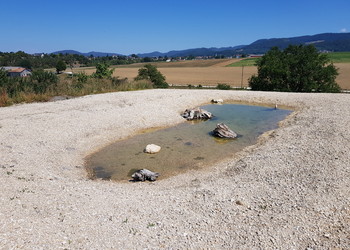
pixel 215 71
pixel 340 57
pixel 186 64
pixel 244 63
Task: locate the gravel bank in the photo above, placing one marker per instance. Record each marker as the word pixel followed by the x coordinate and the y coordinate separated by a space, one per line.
pixel 291 191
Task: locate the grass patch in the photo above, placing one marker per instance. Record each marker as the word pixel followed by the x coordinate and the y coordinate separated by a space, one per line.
pixel 244 62
pixel 340 57
pixel 21 90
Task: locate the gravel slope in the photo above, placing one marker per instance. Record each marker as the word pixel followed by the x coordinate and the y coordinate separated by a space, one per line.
pixel 291 191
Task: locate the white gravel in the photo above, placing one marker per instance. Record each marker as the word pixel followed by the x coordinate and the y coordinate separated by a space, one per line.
pixel 291 191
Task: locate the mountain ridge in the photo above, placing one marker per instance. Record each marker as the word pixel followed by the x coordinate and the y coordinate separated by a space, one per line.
pixel 335 42
pixel 91 53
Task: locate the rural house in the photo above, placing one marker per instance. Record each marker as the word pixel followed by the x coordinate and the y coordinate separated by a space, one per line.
pixel 17 71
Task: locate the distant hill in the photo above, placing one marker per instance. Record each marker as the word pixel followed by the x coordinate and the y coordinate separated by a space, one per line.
pixel 93 53
pixel 335 42
pixel 227 51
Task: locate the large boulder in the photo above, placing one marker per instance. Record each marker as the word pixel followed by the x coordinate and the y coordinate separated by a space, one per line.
pixel 223 131
pixel 144 175
pixel 152 149
pixel 196 114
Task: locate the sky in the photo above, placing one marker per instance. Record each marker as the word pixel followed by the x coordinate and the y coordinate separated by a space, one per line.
pixel 143 26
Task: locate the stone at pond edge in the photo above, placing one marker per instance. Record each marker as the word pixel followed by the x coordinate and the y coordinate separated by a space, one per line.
pixel 152 149
pixel 196 114
pixel 217 101
pixel 144 175
pixel 223 131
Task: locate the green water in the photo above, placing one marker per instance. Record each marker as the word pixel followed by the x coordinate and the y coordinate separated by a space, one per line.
pixel 189 145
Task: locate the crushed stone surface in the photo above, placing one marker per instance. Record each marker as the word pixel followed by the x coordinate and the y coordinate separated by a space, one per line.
pixel 289 191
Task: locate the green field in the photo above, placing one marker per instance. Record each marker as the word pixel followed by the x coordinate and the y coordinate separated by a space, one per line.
pixel 340 57
pixel 244 62
pixel 336 57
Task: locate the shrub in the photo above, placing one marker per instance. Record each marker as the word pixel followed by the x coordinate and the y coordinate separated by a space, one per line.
pixel 81 77
pixel 42 80
pixel 12 85
pixel 116 81
pixel 4 99
pixel 102 71
pixel 150 72
pixel 223 86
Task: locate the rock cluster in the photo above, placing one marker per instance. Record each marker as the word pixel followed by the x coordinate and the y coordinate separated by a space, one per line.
pixel 196 114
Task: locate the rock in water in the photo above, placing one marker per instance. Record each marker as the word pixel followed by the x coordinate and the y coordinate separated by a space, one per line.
pixel 196 114
pixel 223 131
pixel 152 149
pixel 144 175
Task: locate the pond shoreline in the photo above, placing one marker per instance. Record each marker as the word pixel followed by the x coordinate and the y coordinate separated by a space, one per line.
pixel 188 145
pixel 291 190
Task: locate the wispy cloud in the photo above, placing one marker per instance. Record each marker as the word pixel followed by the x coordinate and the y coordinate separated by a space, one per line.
pixel 343 30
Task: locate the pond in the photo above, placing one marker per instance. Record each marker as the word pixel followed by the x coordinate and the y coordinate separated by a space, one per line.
pixel 186 146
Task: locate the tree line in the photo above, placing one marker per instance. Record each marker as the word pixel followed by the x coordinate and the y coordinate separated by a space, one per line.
pixel 44 61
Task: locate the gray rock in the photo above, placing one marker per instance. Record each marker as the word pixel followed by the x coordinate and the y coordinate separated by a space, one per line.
pixel 196 114
pixel 144 175
pixel 223 131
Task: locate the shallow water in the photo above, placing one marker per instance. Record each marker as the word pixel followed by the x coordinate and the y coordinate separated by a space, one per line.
pixel 189 145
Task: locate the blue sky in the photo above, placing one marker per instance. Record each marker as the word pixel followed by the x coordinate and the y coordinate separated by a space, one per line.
pixel 135 26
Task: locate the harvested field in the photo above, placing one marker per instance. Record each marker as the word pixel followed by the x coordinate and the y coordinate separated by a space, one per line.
pixel 210 76
pixel 343 78
pixel 188 63
pixel 208 72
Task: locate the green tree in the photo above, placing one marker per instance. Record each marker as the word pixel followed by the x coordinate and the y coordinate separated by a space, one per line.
pixel 147 59
pixel 298 68
pixel 25 63
pixel 150 72
pixel 103 71
pixel 60 66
